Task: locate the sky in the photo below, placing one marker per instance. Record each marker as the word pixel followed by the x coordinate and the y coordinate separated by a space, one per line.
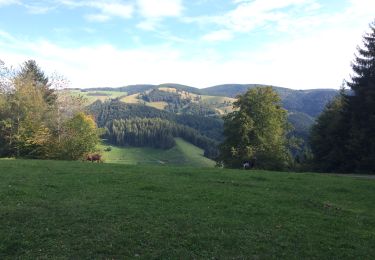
pixel 299 44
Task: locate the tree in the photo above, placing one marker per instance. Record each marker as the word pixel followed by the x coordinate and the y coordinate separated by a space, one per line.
pixel 361 106
pixel 80 136
pixel 328 136
pixel 256 129
pixel 31 71
pixel 37 122
pixel 343 139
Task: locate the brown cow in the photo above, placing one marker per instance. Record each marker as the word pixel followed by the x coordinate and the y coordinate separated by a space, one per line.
pixel 94 157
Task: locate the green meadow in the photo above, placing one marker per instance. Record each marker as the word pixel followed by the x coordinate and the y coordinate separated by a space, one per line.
pixel 81 210
pixel 183 154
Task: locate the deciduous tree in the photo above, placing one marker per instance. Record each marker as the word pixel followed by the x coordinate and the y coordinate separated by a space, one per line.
pixel 256 129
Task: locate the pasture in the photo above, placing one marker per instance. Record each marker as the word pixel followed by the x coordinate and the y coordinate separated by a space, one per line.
pixel 78 210
pixel 183 154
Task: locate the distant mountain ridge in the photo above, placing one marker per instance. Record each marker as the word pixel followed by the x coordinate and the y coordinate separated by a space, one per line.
pixel 310 101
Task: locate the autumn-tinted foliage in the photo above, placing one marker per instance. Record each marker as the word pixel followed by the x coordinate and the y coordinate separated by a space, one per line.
pixel 36 121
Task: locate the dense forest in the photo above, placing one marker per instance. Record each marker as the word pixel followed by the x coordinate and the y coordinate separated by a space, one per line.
pixel 139 125
pixel 157 133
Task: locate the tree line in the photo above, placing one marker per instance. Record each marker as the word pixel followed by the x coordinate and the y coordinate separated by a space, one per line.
pixel 104 112
pixel 37 121
pixel 156 133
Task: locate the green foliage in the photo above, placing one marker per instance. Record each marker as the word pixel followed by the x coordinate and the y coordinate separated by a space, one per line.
pixel 148 124
pixel 74 210
pixel 79 137
pixel 157 95
pixel 212 127
pixel 344 137
pixel 258 130
pixel 328 137
pixel 155 132
pixel 150 132
pixel 199 109
pixel 105 112
pixel 30 71
pixel 310 102
pixel 24 120
pixel 35 122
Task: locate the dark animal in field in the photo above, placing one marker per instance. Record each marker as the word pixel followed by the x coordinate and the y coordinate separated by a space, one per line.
pixel 94 157
pixel 249 164
pixel 246 165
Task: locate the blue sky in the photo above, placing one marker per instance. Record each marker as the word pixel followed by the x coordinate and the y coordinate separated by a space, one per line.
pixel 299 44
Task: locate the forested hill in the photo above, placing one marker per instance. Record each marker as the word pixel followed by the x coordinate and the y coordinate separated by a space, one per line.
pixel 140 115
pixel 142 126
pixel 310 102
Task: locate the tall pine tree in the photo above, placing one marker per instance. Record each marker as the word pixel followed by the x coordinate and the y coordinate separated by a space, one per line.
pixel 31 72
pixel 343 139
pixel 361 106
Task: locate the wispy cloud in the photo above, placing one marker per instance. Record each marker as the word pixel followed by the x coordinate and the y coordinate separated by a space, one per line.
pixel 153 12
pixel 97 17
pixel 250 15
pixel 221 35
pixel 314 63
pixel 113 8
pixel 314 50
pixel 8 2
pixel 160 8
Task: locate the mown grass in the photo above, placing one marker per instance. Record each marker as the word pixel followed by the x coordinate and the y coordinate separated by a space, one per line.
pixel 182 154
pixel 76 210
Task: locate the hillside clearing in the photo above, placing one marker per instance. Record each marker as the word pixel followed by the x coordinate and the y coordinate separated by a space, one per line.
pixel 76 210
pixel 183 153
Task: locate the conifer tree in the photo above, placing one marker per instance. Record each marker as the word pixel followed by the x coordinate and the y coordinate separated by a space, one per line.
pixel 30 71
pixel 361 106
pixel 343 139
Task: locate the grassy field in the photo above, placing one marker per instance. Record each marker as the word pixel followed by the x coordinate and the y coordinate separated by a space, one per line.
pixel 183 153
pixel 77 210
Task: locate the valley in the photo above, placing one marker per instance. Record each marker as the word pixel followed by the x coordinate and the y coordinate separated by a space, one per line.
pixel 196 111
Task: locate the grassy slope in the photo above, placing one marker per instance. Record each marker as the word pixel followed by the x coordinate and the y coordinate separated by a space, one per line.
pixel 183 153
pixel 76 210
pixel 106 95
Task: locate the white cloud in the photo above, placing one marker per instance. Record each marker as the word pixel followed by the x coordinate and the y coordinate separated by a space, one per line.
pixel 249 15
pixel 316 55
pixel 107 9
pixel 221 35
pixel 160 8
pixel 303 63
pixel 8 2
pixel 148 24
pixel 113 9
pixel 38 8
pixel 97 17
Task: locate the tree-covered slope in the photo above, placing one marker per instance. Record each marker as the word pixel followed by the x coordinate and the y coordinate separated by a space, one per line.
pixel 310 102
